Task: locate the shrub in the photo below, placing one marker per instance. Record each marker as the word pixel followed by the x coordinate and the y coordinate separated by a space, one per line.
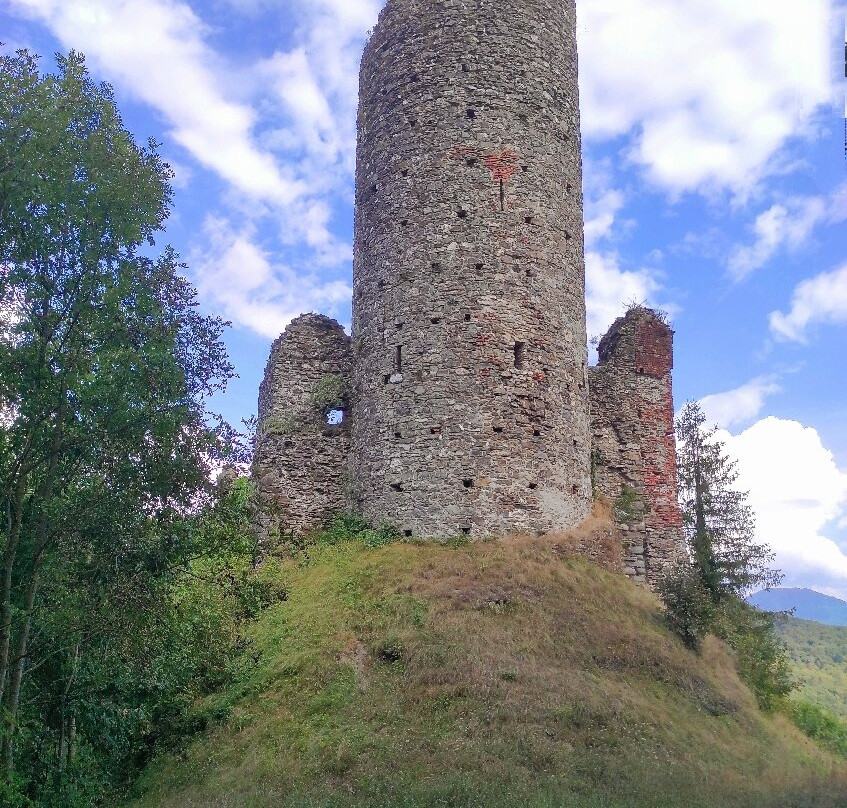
pixel 819 725
pixel 689 610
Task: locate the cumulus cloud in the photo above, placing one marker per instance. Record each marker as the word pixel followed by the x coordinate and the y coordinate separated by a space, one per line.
pixel 798 493
pixel 712 107
pixel 609 289
pixel 783 226
pixel 818 300
pixel 252 288
pixel 155 49
pixel 740 405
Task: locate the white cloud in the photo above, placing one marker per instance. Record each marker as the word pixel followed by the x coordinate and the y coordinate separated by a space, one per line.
pixel 711 107
pixel 609 289
pixel 252 289
pixel 786 225
pixel 821 299
pixel 798 494
pixel 742 404
pixel 155 50
pixel 600 215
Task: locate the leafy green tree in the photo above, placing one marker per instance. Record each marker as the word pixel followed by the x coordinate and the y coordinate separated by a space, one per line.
pixel 105 366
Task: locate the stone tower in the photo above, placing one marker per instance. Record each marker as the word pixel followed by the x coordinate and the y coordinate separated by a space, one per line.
pixel 634 447
pixel 469 396
pixel 302 446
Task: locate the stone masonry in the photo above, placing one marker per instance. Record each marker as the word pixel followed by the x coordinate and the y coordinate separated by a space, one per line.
pixel 465 390
pixel 633 444
pixel 301 453
pixel 469 408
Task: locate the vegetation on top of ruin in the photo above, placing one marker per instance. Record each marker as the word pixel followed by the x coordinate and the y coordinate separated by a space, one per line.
pixel 487 674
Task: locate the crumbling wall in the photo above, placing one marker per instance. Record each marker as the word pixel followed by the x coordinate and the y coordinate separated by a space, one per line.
pixel 302 442
pixel 633 443
pixel 470 403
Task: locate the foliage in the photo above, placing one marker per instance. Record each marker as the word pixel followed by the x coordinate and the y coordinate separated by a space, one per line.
pixel 329 394
pixel 817 654
pixel 719 524
pixel 105 445
pixel 629 506
pixel 689 609
pixel 726 561
pixel 820 725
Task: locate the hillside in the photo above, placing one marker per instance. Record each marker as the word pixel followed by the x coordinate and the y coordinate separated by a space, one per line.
pixel 807 605
pixel 491 675
pixel 818 656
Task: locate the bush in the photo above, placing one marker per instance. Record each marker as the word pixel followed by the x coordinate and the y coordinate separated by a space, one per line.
pixel 689 610
pixel 819 725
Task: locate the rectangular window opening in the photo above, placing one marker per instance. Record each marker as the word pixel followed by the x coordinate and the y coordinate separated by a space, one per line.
pixel 398 359
pixel 520 354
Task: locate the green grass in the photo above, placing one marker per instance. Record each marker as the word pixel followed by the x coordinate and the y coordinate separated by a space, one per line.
pixel 497 674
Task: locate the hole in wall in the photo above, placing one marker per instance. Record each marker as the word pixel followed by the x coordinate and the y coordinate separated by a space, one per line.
pixel 567 236
pixel 533 486
pixel 415 77
pixel 468 483
pixel 407 534
pixel 523 117
pixel 536 433
pixel 386 379
pixel 398 434
pixel 502 195
pixel 398 359
pixel 471 114
pixel 396 486
pixel 467 316
pixel 435 320
pixel 404 222
pixel 574 489
pixel 524 168
pixel 465 68
pixel 471 161
pixel 466 531
pixel 334 417
pixel 527 219
pixel 479 266
pixel 436 266
pixel 435 430
pixel 404 172
pixel 520 354
pixel 497 429
pixel 462 214
pixel 374 188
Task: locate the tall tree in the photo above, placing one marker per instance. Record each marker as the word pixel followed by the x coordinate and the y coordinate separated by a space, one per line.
pixel 105 362
pixel 720 524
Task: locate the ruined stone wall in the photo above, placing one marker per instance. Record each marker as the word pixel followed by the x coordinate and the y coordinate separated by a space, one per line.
pixel 633 443
pixel 301 460
pixel 470 410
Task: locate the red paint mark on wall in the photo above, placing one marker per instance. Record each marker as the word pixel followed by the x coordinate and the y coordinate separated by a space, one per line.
pixel 502 165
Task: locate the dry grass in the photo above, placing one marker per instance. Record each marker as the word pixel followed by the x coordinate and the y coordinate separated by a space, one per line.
pixel 490 674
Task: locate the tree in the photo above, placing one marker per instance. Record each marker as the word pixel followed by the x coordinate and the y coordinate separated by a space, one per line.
pixel 105 366
pixel 719 523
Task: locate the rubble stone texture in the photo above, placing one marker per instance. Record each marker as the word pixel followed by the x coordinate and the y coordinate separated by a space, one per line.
pixel 300 459
pixel 470 410
pixel 465 386
pixel 633 443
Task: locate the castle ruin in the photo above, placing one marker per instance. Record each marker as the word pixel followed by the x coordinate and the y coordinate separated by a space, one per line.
pixel 464 398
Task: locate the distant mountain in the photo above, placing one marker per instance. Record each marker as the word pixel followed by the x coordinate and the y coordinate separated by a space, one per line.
pixel 808 605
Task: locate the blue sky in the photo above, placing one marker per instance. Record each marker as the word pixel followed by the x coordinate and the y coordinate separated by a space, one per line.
pixel 715 188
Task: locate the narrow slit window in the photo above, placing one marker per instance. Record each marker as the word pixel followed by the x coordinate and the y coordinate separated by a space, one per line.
pixel 502 195
pixel 520 354
pixel 398 359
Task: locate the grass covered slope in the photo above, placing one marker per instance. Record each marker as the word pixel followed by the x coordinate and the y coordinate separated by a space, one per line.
pixel 491 675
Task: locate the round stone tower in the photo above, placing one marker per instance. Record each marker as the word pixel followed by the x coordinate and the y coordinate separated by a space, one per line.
pixel 470 408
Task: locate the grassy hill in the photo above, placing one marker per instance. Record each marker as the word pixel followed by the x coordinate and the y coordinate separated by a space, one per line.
pixel 818 655
pixel 488 675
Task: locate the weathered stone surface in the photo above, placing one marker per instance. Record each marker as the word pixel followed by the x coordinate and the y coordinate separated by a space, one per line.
pixel 633 443
pixel 469 406
pixel 301 459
